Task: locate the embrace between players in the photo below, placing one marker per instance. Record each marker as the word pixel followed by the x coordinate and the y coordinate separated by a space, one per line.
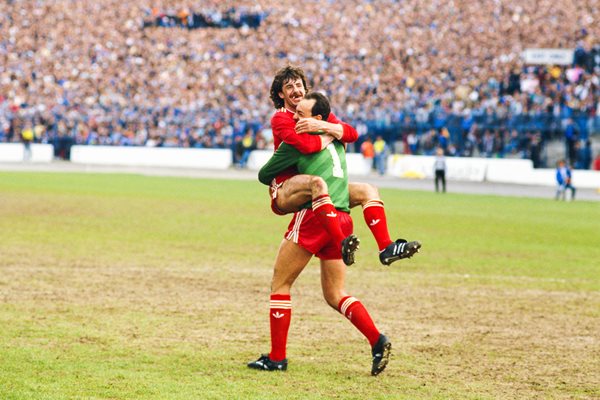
pixel 307 176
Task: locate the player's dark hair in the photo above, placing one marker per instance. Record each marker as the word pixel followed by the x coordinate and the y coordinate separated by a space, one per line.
pixel 281 77
pixel 321 106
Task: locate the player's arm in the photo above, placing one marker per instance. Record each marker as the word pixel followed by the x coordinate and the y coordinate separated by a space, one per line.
pixel 284 129
pixel 349 134
pixel 334 127
pixel 286 156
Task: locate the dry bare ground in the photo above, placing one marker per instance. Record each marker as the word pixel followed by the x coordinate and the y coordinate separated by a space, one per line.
pixel 489 338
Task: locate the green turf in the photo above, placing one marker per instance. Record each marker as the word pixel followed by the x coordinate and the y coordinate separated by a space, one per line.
pixel 118 286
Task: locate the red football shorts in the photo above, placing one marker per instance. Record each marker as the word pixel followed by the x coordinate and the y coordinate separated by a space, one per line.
pixel 305 230
pixel 275 185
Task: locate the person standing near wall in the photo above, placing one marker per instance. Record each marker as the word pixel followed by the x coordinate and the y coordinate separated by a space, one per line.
pixel 247 145
pixel 27 138
pixel 381 152
pixel 596 164
pixel 367 151
pixel 563 178
pixel 439 167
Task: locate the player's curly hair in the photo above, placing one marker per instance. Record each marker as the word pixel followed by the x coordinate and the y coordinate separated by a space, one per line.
pixel 281 77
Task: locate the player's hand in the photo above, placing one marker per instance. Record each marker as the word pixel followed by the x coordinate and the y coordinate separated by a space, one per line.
pixel 326 140
pixel 308 125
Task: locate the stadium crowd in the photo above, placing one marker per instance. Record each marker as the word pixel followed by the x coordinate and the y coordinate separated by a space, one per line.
pixel 420 73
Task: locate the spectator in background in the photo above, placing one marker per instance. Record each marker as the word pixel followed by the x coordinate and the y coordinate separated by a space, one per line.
pixel 39 131
pixel 563 179
pixel 381 150
pixel 535 150
pixel 596 166
pixel 368 152
pixel 571 136
pixel 428 142
pixel 488 144
pixel 512 144
pixel 246 145
pixel 459 62
pixel 413 142
pixel 27 137
pixel 439 170
pixel 443 139
pixel 260 140
pixel 469 144
pixel 584 155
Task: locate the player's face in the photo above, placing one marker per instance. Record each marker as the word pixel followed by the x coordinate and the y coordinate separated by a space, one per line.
pixel 304 109
pixel 292 93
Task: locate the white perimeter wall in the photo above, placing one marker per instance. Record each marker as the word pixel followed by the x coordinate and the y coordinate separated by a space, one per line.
pixel 15 152
pixel 458 168
pixel 415 167
pixel 487 169
pixel 152 157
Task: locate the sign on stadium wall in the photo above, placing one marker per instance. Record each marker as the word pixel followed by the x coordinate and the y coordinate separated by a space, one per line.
pixel 421 167
pixel 548 56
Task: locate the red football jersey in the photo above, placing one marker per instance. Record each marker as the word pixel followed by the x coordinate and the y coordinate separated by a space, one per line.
pixel 283 126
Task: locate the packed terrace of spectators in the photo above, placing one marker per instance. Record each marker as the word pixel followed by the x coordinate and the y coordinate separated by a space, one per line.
pixel 197 73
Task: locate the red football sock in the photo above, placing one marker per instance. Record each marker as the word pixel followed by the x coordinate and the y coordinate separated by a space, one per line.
pixel 374 214
pixel 327 215
pixel 353 309
pixel 280 316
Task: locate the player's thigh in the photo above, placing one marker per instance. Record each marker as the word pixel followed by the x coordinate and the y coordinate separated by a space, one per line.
pixel 289 263
pixel 333 280
pixel 361 193
pixel 294 192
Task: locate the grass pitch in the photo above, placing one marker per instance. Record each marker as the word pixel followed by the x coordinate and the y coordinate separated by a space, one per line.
pixel 132 287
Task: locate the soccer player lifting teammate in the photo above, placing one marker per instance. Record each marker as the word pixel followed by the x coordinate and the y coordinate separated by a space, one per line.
pixel 289 190
pixel 306 236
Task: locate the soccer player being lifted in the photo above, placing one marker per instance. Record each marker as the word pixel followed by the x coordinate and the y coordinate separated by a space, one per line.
pixel 306 237
pixel 290 190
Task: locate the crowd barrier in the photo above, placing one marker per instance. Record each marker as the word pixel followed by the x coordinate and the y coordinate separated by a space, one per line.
pixel 515 171
pixel 15 152
pixel 458 168
pixel 403 166
pixel 152 157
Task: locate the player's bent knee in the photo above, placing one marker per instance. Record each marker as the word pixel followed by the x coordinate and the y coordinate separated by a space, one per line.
pixel 317 181
pixel 318 185
pixel 370 192
pixel 361 193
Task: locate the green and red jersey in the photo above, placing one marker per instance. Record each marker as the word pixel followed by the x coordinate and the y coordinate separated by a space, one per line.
pixel 283 126
pixel 329 164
